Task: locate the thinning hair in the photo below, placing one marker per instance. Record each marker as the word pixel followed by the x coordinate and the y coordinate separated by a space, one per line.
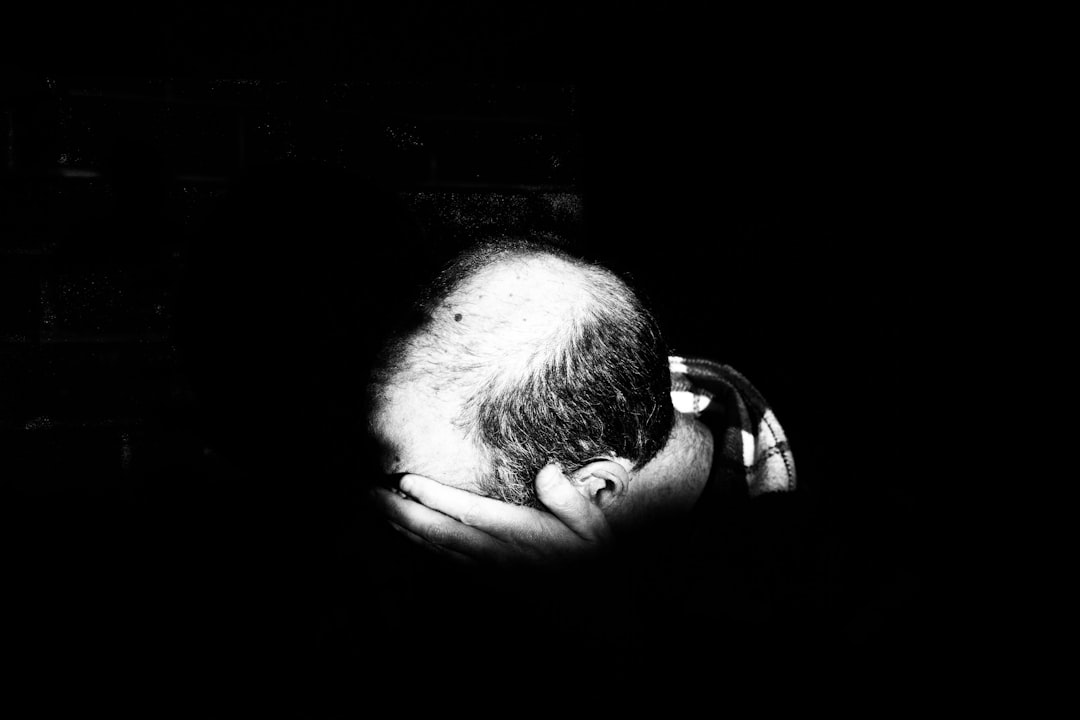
pixel 551 358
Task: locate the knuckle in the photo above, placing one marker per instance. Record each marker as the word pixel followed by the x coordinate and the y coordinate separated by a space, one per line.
pixel 560 505
pixel 472 515
pixel 436 534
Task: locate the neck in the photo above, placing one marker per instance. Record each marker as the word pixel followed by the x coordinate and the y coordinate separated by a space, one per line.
pixel 669 485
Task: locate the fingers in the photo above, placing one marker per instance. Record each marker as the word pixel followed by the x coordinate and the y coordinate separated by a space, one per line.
pixel 431 526
pixel 570 506
pixel 448 519
pixel 486 514
pixel 437 549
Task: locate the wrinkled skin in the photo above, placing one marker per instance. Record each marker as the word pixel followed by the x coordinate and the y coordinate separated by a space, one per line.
pixel 469 528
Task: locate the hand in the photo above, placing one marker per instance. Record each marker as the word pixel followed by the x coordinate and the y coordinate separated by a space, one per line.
pixel 467 527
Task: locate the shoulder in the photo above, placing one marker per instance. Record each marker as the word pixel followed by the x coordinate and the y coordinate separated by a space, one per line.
pixel 748 437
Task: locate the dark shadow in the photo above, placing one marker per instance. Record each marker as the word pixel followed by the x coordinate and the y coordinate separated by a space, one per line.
pixel 288 285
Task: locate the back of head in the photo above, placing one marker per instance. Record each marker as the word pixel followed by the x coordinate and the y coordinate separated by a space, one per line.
pixel 548 358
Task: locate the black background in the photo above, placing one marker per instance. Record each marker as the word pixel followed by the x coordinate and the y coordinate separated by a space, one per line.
pixel 786 194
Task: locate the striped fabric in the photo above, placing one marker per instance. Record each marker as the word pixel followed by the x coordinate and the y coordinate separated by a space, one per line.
pixel 747 434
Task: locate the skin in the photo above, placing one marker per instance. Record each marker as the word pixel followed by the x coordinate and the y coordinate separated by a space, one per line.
pixel 469 528
pixel 438 504
pixel 446 515
pixel 498 320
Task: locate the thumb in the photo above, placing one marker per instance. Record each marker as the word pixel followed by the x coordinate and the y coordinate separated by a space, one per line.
pixel 564 501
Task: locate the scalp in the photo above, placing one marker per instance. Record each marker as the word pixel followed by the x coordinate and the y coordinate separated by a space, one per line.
pixel 531 296
pixel 504 320
pixel 536 357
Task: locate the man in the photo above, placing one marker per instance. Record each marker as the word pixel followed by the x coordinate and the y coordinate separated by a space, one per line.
pixel 534 426
pixel 535 414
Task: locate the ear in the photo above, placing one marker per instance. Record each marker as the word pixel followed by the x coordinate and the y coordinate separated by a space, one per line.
pixel 602 481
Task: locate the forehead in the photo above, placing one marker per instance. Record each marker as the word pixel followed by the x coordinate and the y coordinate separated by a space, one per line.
pixel 416 433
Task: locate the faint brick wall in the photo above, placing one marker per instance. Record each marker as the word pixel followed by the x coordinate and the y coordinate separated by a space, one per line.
pixel 89 373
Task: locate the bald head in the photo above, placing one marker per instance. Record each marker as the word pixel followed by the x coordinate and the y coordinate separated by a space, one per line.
pixel 526 356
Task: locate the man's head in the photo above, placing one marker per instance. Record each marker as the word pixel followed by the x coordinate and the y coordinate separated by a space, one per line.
pixel 523 356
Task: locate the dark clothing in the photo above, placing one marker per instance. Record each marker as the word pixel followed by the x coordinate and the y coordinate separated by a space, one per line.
pixel 722 576
pixel 749 578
